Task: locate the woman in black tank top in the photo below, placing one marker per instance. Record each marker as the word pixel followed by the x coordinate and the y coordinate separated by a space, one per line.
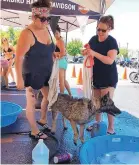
pixel 34 62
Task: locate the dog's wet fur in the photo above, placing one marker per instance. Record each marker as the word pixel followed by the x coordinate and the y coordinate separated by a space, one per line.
pixel 81 111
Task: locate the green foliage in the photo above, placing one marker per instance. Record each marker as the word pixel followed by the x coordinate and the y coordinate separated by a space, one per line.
pixel 73 47
pixel 123 52
pixel 11 34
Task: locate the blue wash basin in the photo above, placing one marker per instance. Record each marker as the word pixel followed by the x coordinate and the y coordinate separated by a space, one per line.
pixel 110 149
pixel 9 113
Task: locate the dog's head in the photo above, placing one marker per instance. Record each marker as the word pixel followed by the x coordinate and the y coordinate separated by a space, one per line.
pixel 106 100
pixel 107 105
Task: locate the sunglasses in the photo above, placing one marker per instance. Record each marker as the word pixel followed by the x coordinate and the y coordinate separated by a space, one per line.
pixel 43 19
pixel 101 30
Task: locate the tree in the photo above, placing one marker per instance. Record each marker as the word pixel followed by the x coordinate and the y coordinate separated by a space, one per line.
pixel 123 52
pixel 17 34
pixel 73 47
pixel 12 35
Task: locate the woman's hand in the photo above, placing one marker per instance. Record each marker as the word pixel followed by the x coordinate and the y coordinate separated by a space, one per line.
pixel 90 52
pixel 84 52
pixel 20 84
pixel 57 55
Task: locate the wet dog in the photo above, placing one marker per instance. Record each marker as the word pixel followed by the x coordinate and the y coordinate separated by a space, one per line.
pixel 81 111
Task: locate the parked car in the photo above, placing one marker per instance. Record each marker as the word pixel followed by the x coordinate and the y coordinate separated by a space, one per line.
pixel 70 61
pixel 80 59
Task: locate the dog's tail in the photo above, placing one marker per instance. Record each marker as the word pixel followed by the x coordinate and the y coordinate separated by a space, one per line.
pixel 112 110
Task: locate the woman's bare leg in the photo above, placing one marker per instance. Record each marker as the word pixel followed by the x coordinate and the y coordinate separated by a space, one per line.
pixel 62 80
pixel 67 86
pixel 12 74
pixel 4 73
pixel 30 111
pixel 97 94
pixel 10 71
pixel 44 105
pixel 110 117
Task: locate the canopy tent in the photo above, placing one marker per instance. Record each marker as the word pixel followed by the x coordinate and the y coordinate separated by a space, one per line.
pixel 17 12
pixel 99 6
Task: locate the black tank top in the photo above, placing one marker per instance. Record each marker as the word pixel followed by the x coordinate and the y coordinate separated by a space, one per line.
pixel 57 49
pixel 38 61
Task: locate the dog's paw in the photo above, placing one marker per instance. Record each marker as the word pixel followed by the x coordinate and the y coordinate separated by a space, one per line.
pixel 53 133
pixel 75 142
pixel 65 128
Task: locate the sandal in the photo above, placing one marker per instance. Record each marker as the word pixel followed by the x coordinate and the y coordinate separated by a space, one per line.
pixel 89 128
pixel 38 136
pixel 45 126
pixel 111 133
pixel 53 133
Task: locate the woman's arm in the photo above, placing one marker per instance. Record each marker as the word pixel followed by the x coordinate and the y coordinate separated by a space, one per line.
pixel 22 48
pixel 109 59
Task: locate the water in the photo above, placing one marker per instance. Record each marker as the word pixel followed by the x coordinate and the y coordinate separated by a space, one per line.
pixel 119 157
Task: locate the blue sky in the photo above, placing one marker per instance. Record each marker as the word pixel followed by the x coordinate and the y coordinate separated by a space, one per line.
pixel 126 15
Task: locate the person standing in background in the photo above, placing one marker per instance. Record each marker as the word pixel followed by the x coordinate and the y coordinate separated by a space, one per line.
pixel 60 52
pixel 8 52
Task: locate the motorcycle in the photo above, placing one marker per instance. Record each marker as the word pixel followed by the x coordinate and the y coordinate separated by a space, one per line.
pixel 134 77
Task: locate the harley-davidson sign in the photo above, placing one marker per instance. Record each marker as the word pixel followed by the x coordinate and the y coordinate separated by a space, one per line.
pixel 59 7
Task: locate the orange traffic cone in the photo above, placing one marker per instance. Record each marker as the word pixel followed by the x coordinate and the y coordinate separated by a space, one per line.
pixel 79 78
pixel 124 77
pixel 73 72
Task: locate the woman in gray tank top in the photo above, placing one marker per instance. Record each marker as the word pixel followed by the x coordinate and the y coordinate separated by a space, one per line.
pixel 33 63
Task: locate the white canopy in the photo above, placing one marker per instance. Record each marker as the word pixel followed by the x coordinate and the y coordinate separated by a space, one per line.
pixel 16 14
pixel 99 6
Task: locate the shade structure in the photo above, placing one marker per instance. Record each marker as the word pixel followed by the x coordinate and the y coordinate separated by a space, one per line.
pixel 16 12
pixel 99 6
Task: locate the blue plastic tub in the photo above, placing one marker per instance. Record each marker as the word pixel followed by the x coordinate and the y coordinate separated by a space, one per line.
pixel 9 113
pixel 110 149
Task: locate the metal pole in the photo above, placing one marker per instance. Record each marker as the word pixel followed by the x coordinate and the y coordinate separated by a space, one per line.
pixel 67 33
pixel 102 6
pixel 127 49
pixel 138 60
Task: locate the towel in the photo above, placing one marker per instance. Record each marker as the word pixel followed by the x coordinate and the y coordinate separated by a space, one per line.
pixel 53 85
pixel 87 78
